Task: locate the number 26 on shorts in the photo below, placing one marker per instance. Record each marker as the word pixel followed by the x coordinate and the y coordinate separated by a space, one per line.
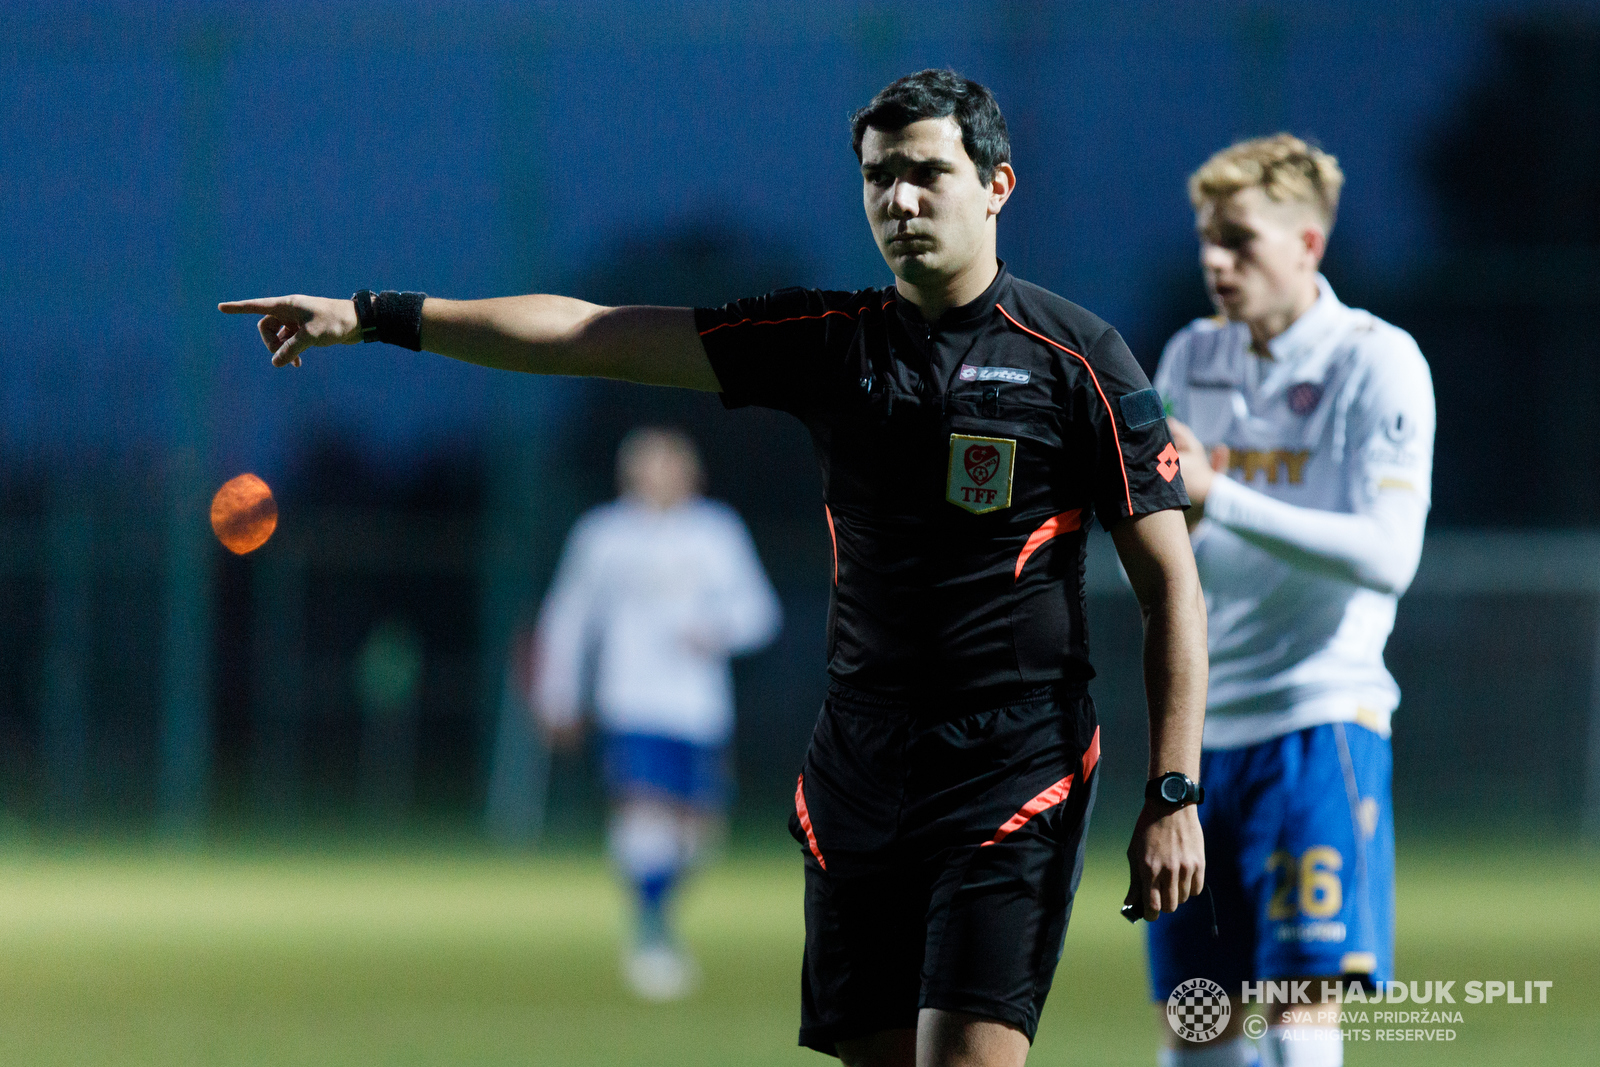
pixel 1307 884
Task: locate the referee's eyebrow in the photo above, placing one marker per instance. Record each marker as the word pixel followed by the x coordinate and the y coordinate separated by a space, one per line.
pixel 900 161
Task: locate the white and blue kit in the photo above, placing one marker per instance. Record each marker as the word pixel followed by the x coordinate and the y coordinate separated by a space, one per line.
pixel 1305 549
pixel 660 600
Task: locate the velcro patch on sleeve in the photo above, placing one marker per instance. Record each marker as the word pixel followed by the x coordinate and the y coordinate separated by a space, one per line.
pixel 1142 408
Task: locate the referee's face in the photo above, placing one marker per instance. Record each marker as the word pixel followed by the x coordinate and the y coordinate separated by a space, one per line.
pixel 931 216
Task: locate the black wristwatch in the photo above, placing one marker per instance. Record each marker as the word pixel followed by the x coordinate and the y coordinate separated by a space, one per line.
pixel 1175 787
pixel 366 313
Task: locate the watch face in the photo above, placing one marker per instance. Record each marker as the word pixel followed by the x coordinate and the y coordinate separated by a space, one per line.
pixel 1173 789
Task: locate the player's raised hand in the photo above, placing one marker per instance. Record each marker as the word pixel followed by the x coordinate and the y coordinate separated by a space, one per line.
pixel 291 324
pixel 1198 465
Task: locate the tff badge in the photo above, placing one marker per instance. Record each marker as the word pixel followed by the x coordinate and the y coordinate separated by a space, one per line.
pixel 980 472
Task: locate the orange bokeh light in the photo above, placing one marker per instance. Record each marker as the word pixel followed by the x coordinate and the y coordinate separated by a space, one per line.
pixel 244 514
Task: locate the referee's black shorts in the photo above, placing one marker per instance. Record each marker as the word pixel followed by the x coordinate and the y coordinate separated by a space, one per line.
pixel 942 853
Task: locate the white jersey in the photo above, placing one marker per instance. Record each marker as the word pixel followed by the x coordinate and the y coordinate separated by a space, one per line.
pixel 1309 541
pixel 663 599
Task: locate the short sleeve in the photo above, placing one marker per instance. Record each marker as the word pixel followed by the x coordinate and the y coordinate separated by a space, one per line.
pixel 1136 466
pixel 779 350
pixel 565 625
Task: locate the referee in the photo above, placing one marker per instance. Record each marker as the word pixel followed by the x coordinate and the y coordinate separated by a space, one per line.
pixel 970 427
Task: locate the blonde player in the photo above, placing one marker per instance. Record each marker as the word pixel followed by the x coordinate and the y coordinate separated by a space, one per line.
pixel 1305 429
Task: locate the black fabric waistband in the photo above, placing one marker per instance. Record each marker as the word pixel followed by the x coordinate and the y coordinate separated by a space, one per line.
pixel 937 706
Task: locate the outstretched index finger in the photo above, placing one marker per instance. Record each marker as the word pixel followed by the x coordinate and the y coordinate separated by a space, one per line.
pixel 270 305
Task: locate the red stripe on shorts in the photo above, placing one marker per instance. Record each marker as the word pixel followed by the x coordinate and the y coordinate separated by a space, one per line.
pixel 805 820
pixel 1047 799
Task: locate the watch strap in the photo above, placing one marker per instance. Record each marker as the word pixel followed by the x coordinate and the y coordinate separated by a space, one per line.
pixel 1193 792
pixel 365 301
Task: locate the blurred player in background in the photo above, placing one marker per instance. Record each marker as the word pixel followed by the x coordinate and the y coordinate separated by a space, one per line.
pixel 1306 433
pixel 660 587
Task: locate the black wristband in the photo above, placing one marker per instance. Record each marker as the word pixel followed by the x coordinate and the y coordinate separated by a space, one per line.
pixel 366 313
pixel 399 317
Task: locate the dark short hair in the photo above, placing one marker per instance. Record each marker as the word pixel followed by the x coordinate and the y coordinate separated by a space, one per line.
pixel 935 94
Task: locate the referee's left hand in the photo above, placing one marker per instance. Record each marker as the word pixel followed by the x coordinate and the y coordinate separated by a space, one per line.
pixel 1166 858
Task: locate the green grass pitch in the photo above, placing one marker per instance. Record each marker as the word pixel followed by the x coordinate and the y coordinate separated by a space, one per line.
pixel 458 957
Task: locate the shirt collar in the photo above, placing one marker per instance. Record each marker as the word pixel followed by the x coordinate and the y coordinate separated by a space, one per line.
pixel 1305 333
pixel 967 314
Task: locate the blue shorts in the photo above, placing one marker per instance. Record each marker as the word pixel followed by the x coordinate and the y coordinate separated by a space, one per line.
pixel 683 771
pixel 1300 861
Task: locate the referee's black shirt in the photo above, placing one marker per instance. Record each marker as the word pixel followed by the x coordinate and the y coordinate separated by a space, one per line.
pixel 961 462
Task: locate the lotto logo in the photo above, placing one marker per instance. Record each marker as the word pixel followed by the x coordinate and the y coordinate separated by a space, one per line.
pixel 1198 1010
pixel 1167 462
pixel 970 373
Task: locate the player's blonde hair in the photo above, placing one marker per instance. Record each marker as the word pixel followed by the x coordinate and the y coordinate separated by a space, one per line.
pixel 1287 169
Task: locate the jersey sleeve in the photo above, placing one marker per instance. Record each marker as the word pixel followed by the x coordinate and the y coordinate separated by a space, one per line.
pixel 1136 467
pixel 779 350
pixel 1391 426
pixel 566 622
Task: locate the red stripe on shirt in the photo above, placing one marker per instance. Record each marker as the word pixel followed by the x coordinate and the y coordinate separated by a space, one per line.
pixel 777 322
pixel 1117 438
pixel 1065 522
pixel 833 537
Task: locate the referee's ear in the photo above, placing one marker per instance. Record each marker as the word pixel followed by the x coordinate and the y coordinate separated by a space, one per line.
pixel 1001 184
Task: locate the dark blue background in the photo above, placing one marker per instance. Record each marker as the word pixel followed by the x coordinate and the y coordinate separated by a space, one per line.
pixel 155 159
